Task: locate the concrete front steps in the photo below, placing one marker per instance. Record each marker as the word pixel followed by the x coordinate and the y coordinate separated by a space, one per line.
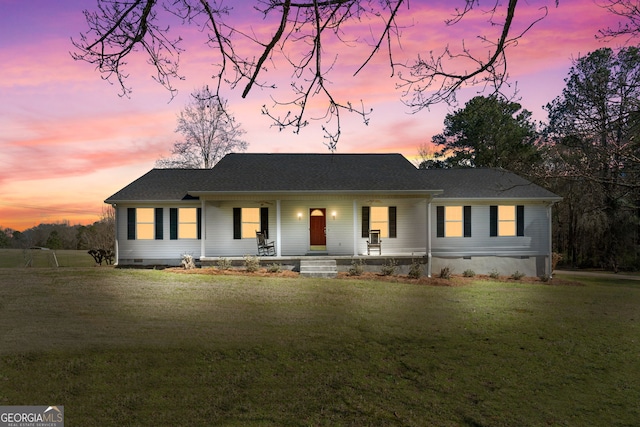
pixel 327 268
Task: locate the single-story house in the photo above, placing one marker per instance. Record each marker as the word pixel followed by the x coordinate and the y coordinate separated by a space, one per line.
pixel 326 205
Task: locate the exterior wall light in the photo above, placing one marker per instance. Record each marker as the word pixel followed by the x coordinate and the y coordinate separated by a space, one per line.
pixel 299 216
pixel 333 214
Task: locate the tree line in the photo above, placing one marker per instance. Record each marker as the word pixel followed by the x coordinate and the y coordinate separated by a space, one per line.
pixel 587 151
pixel 62 235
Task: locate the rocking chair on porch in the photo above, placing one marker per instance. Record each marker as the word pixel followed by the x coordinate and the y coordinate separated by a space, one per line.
pixel 374 242
pixel 264 247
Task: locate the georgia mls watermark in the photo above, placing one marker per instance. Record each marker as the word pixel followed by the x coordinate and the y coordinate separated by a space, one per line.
pixel 31 416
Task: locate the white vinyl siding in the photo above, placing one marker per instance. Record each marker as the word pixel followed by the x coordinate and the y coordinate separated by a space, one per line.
pixel 535 240
pixel 411 227
pixel 151 251
pixel 295 229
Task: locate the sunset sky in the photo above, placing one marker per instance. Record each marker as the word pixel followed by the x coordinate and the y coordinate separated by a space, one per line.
pixel 68 141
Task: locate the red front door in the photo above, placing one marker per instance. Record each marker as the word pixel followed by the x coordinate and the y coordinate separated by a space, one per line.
pixel 317 226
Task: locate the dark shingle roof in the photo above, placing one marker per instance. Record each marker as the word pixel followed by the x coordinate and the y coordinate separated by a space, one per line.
pixel 488 183
pixel 251 173
pixel 279 173
pixel 312 172
pixel 160 185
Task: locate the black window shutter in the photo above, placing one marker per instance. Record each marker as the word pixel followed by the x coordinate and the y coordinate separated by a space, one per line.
pixel 466 215
pixel 520 220
pixel 159 224
pixel 493 221
pixel 439 221
pixel 237 225
pixel 173 223
pixel 393 229
pixel 264 221
pixel 199 224
pixel 365 221
pixel 131 223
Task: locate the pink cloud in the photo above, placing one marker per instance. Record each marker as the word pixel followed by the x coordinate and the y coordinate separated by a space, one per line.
pixel 72 147
pixel 69 140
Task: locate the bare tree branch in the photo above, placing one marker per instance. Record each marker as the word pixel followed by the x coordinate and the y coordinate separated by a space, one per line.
pixel 120 28
pixel 429 82
pixel 626 9
pixel 269 47
pixel 386 34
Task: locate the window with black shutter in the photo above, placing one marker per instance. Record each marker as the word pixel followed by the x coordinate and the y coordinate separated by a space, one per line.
pixel 453 221
pixel 365 221
pixel 520 220
pixel 131 223
pixel 467 221
pixel 439 221
pixel 506 220
pixel 159 224
pixel 383 218
pixel 237 223
pixel 393 228
pixel 173 223
pixel 264 221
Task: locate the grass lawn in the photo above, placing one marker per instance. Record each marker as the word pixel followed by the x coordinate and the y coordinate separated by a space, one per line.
pixel 155 348
pixel 12 258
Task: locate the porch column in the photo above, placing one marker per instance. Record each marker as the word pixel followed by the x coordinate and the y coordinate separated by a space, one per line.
pixel 355 228
pixel 429 238
pixel 203 228
pixel 278 230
